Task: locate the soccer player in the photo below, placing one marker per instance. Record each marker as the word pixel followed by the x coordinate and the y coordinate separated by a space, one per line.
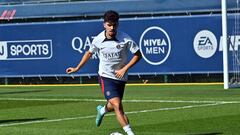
pixel 112 47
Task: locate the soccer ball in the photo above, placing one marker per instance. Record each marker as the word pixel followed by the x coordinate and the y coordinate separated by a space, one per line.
pixel 116 133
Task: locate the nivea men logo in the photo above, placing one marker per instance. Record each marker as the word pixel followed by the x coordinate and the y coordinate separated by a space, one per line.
pixel 155 45
pixel 205 44
pixel 25 50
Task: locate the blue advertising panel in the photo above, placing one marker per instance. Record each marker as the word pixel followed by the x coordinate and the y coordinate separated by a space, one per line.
pixel 186 44
pixel 35 9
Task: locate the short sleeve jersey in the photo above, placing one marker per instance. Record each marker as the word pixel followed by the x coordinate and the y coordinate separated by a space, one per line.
pixel 113 54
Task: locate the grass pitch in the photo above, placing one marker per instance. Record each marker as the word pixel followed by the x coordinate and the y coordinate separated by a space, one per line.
pixel 152 110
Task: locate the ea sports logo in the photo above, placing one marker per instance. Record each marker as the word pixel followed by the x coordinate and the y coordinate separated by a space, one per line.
pixel 205 44
pixel 155 45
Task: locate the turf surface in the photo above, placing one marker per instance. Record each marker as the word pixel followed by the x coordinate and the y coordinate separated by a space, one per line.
pixel 152 110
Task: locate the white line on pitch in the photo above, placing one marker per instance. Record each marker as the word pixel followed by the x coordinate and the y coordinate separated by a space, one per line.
pixel 93 116
pixel 102 100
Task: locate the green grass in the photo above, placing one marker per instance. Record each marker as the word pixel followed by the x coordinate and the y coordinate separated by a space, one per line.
pixel 61 110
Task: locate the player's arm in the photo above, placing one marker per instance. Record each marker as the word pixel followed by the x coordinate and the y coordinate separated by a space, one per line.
pixel 84 59
pixel 136 57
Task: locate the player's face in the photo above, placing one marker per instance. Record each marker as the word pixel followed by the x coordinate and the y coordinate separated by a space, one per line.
pixel 111 29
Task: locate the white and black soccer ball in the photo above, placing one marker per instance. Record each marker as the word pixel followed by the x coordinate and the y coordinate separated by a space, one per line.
pixel 116 133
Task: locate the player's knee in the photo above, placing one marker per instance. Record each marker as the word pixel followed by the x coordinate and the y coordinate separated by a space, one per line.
pixel 110 107
pixel 118 107
pixel 116 104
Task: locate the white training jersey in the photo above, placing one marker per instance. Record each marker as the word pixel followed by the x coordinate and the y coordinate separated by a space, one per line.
pixel 113 54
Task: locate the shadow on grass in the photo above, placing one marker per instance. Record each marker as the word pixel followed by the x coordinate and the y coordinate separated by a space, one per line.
pixel 217 125
pixel 20 120
pixel 23 92
pixel 208 134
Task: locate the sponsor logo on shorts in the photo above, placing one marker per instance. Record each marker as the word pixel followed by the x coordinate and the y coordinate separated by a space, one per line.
pixel 108 93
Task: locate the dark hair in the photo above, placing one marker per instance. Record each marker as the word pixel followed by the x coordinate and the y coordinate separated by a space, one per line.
pixel 111 16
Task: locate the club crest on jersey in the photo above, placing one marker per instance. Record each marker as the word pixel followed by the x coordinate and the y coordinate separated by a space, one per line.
pixel 118 46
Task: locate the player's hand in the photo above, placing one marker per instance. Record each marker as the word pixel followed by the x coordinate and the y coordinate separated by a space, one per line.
pixel 120 73
pixel 71 70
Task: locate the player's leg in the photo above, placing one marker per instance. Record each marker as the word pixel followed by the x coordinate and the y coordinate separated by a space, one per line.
pixel 109 108
pixel 120 115
pixel 106 84
pixel 101 110
pixel 113 91
pixel 118 108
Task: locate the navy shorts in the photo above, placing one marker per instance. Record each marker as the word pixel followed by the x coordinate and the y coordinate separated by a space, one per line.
pixel 112 88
